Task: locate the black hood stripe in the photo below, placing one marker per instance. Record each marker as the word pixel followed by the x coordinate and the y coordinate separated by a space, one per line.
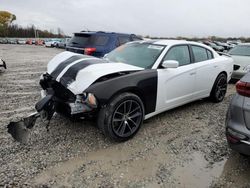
pixel 70 75
pixel 64 64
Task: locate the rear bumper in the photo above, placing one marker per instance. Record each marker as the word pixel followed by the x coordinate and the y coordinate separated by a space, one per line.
pixel 241 147
pixel 237 133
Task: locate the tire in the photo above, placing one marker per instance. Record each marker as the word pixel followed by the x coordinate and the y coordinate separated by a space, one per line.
pixel 219 88
pixel 122 118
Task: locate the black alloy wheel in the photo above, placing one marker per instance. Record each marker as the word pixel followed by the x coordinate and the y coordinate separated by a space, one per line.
pixel 127 118
pixel 219 89
pixel 121 119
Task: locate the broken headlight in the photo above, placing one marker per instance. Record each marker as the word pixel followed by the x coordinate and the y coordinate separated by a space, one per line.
pixel 87 98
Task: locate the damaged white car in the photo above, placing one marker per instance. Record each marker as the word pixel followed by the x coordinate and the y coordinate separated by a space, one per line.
pixel 132 83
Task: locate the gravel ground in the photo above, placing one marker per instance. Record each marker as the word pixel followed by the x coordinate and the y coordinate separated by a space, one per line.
pixel 184 147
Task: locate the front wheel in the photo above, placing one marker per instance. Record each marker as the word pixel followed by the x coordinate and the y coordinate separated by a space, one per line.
pixel 121 119
pixel 219 88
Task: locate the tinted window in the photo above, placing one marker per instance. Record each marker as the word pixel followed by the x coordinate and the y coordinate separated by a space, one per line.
pixel 89 40
pixel 99 40
pixel 243 50
pixel 141 55
pixel 200 54
pixel 180 54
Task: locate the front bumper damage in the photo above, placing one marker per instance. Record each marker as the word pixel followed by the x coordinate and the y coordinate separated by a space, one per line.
pixel 53 100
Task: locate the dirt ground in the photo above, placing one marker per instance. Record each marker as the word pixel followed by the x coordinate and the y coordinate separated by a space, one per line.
pixel 184 147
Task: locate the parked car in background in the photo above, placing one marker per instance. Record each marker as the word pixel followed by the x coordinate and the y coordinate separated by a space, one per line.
pixel 238 117
pixel 133 82
pixel 3 64
pixel 52 42
pixel 241 57
pixel 98 43
pixel 214 46
pixel 39 42
pixel 29 41
pixel 223 44
pixel 63 43
pixel 12 41
pixel 3 41
pixel 21 41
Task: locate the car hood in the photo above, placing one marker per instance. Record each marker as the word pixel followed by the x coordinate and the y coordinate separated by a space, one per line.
pixel 77 72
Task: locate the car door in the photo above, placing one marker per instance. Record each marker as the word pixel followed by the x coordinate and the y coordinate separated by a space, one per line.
pixel 176 85
pixel 206 71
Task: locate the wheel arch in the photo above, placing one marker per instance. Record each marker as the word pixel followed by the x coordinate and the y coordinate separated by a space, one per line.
pixel 134 90
pixel 222 72
pixel 142 83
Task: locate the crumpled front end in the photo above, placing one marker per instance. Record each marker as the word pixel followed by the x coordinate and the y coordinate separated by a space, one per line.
pixel 64 100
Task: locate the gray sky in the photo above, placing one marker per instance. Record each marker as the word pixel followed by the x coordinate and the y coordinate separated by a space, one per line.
pixel 166 18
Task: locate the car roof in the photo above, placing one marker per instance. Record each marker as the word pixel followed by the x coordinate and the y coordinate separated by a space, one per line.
pixel 103 32
pixel 174 42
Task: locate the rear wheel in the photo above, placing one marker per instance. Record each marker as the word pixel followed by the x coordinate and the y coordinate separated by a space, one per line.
pixel 219 89
pixel 122 117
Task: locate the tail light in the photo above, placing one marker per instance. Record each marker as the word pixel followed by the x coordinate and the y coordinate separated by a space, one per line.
pixel 243 88
pixel 89 51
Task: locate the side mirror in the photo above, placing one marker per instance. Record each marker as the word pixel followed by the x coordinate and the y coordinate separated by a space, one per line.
pixel 170 64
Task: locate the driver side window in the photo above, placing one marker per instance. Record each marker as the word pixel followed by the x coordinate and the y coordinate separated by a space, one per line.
pixel 180 54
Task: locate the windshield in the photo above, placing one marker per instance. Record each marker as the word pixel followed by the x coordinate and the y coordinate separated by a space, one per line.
pixel 241 50
pixel 138 54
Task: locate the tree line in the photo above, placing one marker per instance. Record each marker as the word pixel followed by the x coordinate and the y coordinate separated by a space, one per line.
pixel 8 29
pixel 14 30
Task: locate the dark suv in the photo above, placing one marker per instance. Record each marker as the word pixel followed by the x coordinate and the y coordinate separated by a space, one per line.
pixel 98 43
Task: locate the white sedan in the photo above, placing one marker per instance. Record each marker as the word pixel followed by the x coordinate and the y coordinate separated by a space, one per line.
pixel 241 57
pixel 134 82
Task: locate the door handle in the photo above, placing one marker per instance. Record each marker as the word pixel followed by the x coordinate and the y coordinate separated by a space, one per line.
pixel 215 66
pixel 192 73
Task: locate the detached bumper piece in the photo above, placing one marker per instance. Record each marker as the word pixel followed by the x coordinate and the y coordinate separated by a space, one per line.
pixel 3 64
pixel 20 130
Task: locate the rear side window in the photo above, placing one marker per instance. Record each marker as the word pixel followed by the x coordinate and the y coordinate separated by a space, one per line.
pixel 180 54
pixel 89 40
pixel 99 40
pixel 201 54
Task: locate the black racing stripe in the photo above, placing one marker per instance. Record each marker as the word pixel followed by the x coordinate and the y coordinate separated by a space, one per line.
pixel 64 64
pixel 70 75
